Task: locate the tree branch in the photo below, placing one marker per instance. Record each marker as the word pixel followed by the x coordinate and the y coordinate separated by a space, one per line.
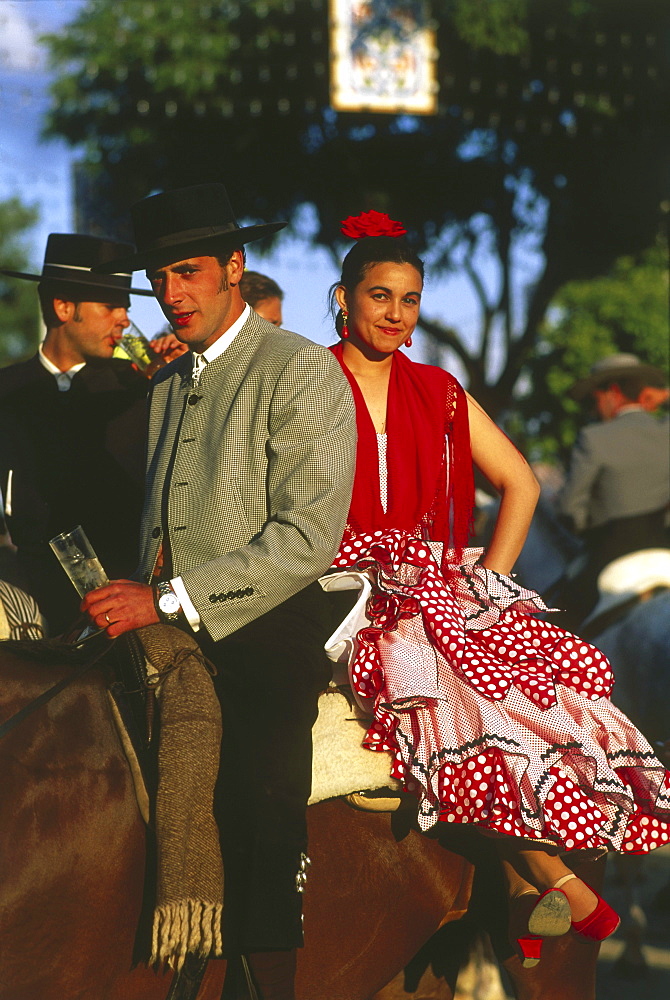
pixel 488 311
pixel 449 337
pixel 543 292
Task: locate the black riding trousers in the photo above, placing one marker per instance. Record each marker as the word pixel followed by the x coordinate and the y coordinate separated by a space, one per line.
pixel 270 673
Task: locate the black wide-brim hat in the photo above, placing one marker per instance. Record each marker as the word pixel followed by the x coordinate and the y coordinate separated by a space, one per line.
pixel 194 221
pixel 69 260
pixel 616 366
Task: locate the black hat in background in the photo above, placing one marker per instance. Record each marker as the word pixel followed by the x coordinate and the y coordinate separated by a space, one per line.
pixel 606 372
pixel 69 260
pixel 195 221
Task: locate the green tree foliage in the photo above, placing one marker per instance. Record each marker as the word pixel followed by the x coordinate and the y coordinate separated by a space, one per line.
pixel 498 25
pixel 20 311
pixel 623 311
pixel 551 137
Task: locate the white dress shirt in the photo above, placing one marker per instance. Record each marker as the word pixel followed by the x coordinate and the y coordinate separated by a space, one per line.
pixel 63 379
pixel 199 362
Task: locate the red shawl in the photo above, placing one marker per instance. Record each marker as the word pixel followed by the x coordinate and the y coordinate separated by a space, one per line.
pixel 430 481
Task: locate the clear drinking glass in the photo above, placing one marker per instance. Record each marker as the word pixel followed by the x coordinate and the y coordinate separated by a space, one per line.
pixel 137 347
pixel 79 560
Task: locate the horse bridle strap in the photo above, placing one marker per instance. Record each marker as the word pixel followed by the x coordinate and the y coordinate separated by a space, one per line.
pixel 32 706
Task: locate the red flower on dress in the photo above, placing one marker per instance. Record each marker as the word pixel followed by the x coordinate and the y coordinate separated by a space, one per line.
pixel 371 224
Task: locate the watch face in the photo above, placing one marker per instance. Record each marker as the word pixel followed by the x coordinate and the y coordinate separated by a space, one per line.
pixel 169 604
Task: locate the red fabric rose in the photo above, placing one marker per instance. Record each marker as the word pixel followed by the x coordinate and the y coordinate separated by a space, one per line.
pixel 371 224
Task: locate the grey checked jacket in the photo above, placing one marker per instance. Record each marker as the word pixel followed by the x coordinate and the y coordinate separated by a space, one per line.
pixel 251 474
pixel 619 468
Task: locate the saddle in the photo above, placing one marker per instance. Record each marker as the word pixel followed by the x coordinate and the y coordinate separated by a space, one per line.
pixel 341 766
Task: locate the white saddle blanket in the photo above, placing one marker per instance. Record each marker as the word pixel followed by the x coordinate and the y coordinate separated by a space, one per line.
pixel 340 763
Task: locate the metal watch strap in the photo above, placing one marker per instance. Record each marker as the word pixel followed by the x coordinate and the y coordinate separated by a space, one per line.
pixel 161 588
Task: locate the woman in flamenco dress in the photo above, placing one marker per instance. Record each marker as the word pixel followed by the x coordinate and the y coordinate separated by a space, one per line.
pixel 494 716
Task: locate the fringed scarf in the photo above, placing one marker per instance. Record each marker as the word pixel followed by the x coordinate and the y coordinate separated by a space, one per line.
pixel 430 480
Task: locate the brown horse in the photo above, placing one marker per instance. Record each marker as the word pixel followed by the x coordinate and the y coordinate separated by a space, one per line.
pixel 72 848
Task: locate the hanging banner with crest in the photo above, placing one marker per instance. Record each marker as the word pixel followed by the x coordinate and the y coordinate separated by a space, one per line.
pixel 383 56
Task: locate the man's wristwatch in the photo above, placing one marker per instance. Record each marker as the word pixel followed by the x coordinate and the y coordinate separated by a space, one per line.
pixel 167 603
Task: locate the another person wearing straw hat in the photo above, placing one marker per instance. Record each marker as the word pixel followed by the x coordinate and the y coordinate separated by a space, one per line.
pixel 250 469
pixel 618 488
pixel 73 425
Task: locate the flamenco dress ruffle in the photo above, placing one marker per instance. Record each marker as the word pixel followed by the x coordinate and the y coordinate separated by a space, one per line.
pixel 495 717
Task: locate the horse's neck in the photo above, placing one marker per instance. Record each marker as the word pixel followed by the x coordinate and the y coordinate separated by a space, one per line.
pixel 74 726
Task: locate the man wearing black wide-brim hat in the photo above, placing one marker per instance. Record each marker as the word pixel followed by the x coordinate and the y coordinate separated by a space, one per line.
pixel 73 424
pixel 250 470
pixel 618 487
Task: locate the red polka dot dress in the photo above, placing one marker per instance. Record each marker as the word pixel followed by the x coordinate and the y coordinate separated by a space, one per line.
pixel 493 716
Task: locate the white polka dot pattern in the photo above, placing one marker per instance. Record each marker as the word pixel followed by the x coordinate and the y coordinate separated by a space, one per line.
pixel 383 475
pixel 495 717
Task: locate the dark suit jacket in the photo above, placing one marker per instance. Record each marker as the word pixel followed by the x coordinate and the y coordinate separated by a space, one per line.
pixel 76 457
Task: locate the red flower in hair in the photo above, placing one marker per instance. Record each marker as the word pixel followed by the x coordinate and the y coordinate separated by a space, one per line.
pixel 371 224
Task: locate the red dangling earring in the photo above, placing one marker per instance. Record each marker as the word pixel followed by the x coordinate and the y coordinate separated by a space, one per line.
pixel 345 328
pixel 408 342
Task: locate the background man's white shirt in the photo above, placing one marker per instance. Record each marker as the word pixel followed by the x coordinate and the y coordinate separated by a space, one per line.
pixel 63 379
